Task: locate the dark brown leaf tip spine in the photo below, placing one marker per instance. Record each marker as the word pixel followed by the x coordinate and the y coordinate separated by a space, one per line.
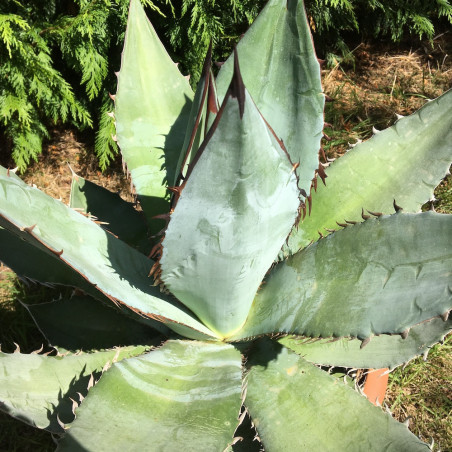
pixel 237 88
pixel 322 174
pixel 208 60
pixel 211 96
pixel 396 207
pixel 29 229
pixel 375 214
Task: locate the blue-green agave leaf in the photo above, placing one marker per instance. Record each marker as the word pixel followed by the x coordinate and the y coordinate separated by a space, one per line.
pixel 403 163
pixel 235 210
pixel 182 396
pixel 385 351
pixel 281 72
pixel 39 389
pixel 82 323
pixel 108 264
pixel 116 215
pixel 296 406
pixel 36 264
pixel 382 276
pixel 152 107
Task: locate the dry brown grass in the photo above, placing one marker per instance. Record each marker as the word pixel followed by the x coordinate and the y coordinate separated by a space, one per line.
pixel 383 83
pixel 51 173
pixel 422 392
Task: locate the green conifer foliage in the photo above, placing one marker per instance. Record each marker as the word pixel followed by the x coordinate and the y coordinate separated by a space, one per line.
pixel 393 19
pixel 58 58
pixel 31 89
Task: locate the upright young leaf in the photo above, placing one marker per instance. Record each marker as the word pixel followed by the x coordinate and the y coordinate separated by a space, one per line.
pixel 204 105
pixel 403 163
pixel 237 206
pixel 152 106
pixel 282 74
pixel 183 396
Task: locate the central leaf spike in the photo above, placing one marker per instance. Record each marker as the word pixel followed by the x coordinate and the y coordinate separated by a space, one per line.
pixel 237 205
pixel 237 88
pixel 204 103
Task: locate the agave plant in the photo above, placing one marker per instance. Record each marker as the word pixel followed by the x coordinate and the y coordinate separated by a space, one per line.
pixel 217 326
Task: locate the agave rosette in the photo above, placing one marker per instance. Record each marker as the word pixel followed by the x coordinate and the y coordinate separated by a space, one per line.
pixel 202 336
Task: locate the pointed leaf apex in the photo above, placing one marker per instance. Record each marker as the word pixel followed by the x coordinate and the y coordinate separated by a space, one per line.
pixel 211 97
pixel 237 88
pixel 208 60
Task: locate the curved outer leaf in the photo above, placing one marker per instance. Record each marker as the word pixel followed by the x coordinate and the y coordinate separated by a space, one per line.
pixel 82 323
pixel 152 106
pixel 37 265
pixel 404 162
pixel 121 217
pixel 235 211
pixel 183 396
pixel 304 408
pixel 117 270
pixel 36 388
pixel 282 74
pixel 381 352
pixel 382 276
